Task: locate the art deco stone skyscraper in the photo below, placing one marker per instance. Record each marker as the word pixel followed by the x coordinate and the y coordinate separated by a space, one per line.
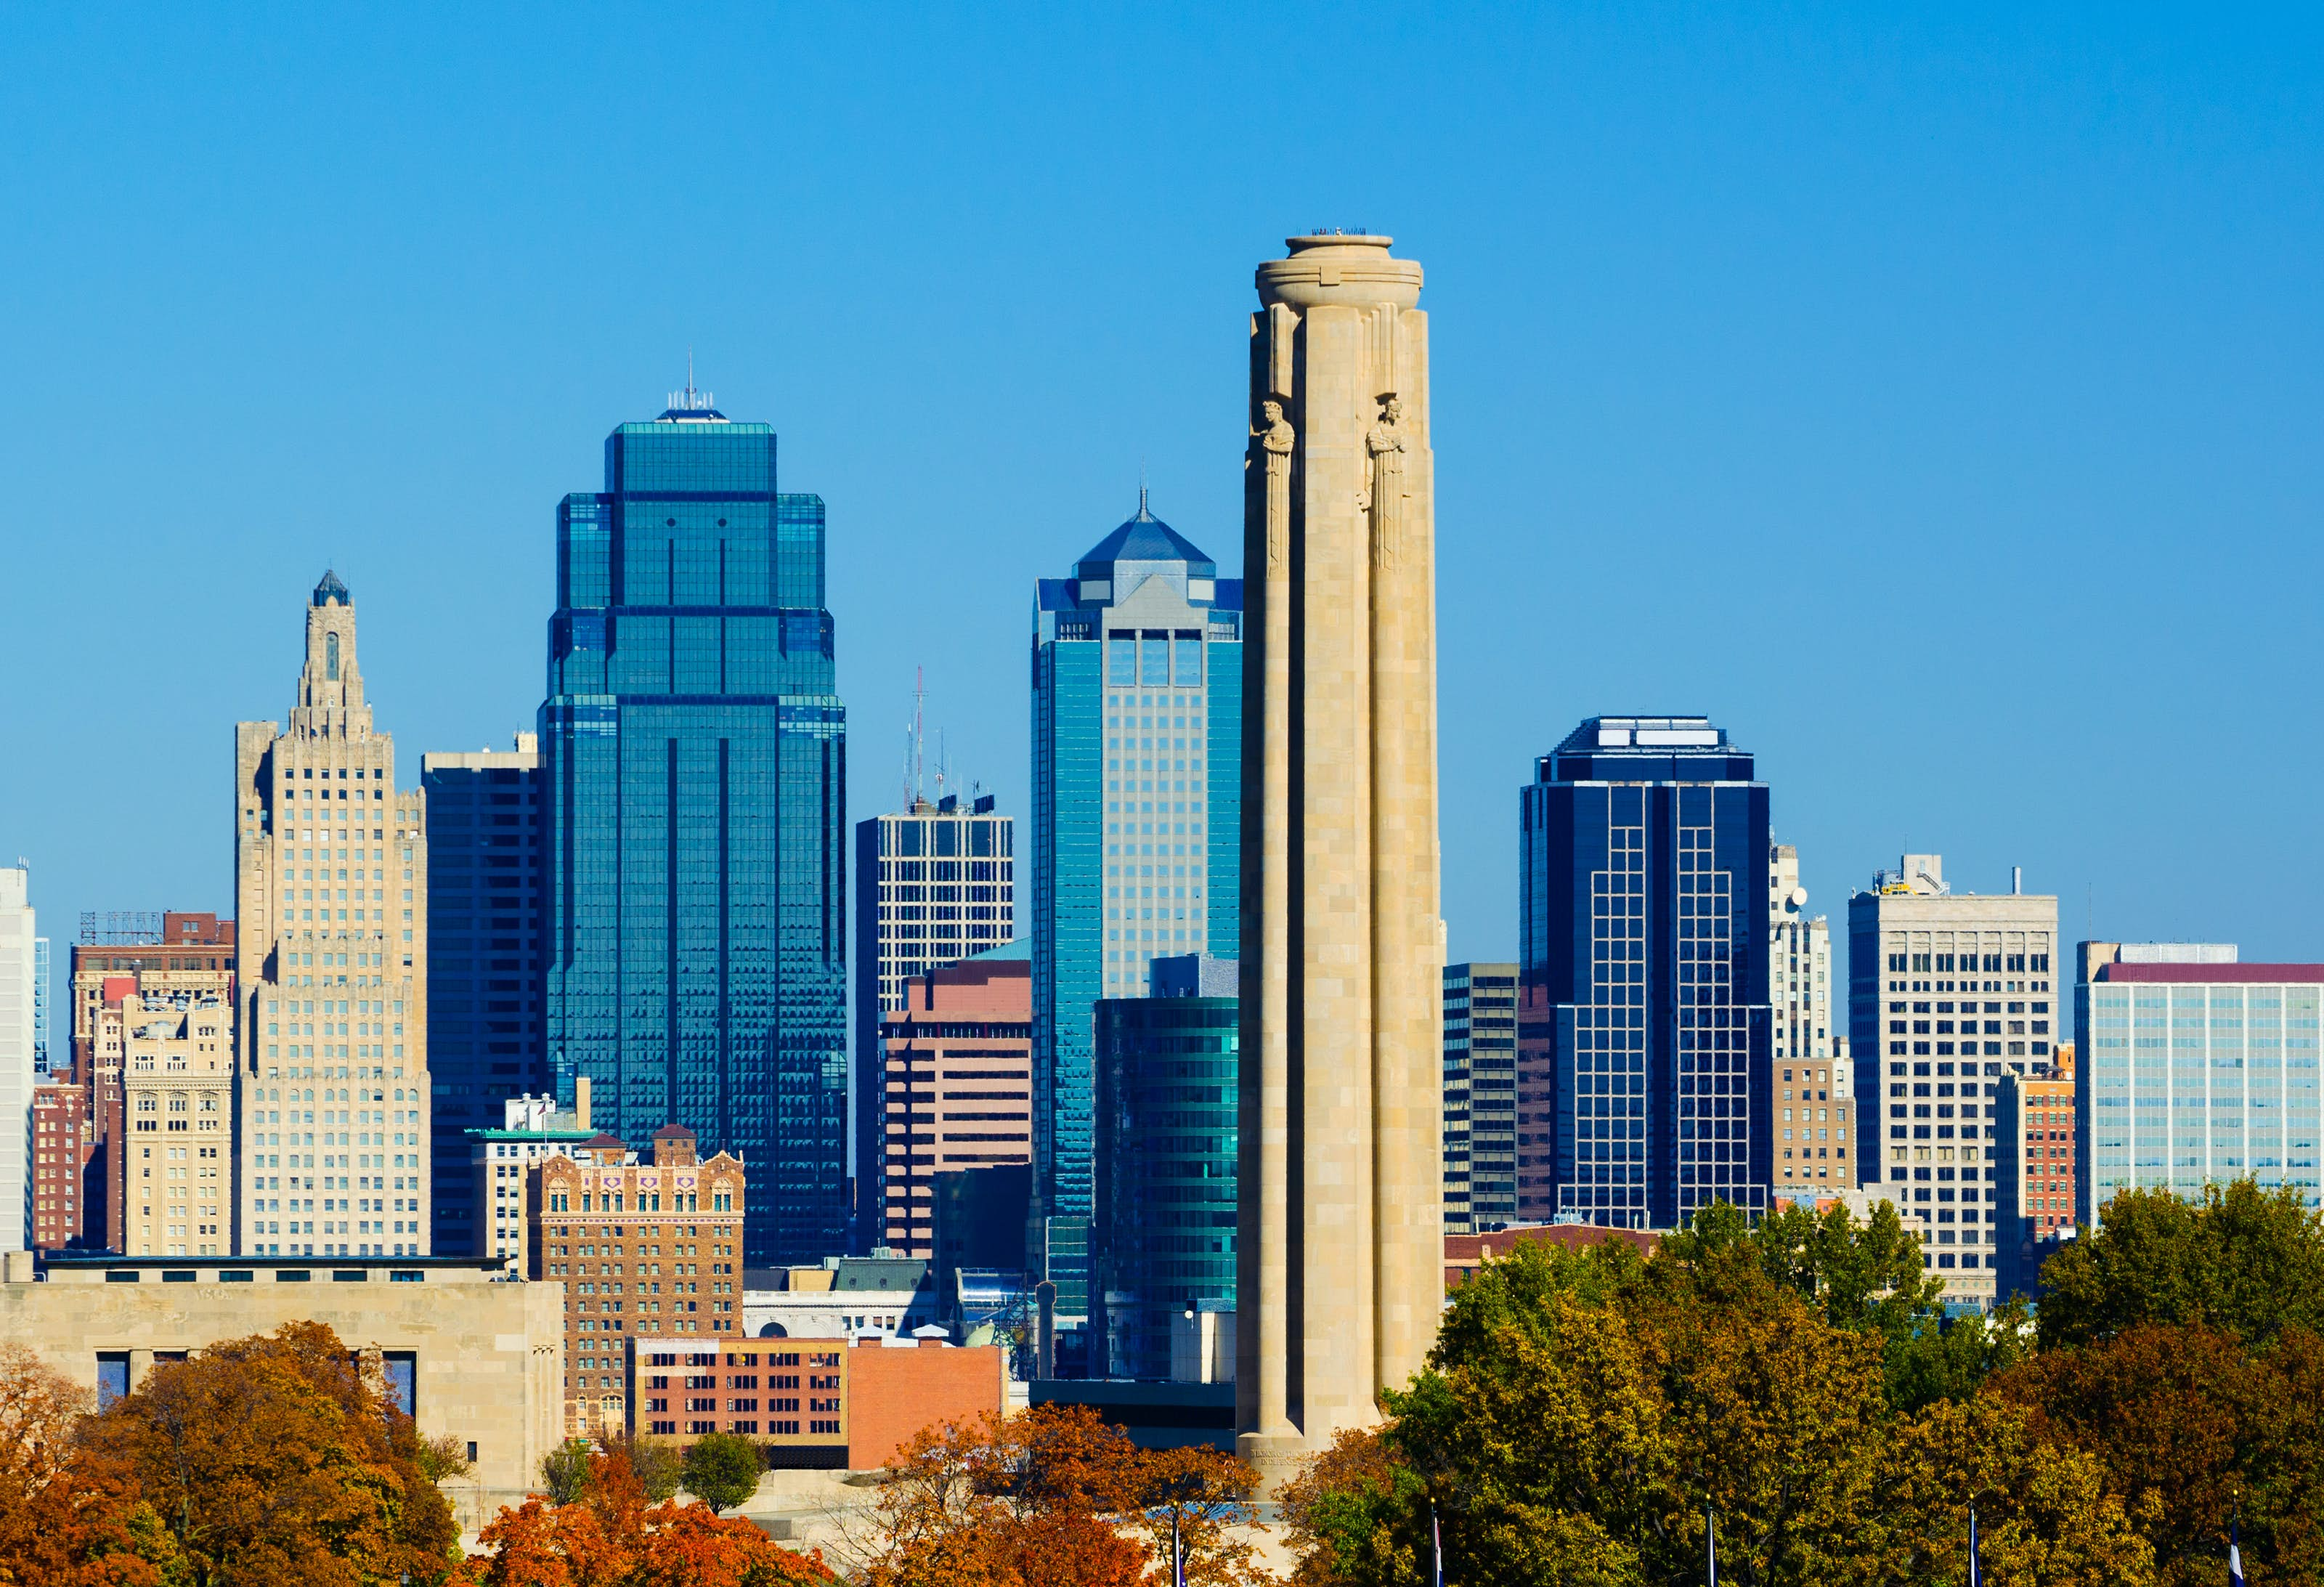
pixel 1341 1259
pixel 331 971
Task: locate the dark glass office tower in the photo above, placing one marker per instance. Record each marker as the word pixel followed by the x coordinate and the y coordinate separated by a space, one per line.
pixel 1137 817
pixel 484 961
pixel 694 756
pixel 1644 1032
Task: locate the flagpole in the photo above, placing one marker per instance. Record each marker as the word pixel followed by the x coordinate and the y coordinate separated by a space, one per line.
pixel 1975 1571
pixel 2234 1545
pixel 1436 1548
pixel 1711 1544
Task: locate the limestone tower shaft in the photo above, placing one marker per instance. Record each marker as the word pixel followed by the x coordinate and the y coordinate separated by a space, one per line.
pixel 1341 1250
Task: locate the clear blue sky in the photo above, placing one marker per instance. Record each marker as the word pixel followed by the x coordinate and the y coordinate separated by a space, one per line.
pixel 1935 398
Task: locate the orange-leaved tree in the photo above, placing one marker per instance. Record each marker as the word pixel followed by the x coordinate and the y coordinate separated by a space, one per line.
pixel 1046 1498
pixel 614 1538
pixel 1198 1500
pixel 277 1458
pixel 66 1517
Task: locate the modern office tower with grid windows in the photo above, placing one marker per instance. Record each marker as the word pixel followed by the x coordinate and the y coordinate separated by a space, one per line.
pixel 935 882
pixel 695 754
pixel 1947 992
pixel 485 1044
pixel 1810 1055
pixel 1643 922
pixel 1137 821
pixel 1480 1097
pixel 17 1078
pixel 331 970
pixel 2193 1068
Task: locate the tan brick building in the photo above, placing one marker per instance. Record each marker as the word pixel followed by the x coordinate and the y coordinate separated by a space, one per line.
pixel 194 956
pixel 652 1247
pixel 331 867
pixel 176 1153
pixel 195 953
pixel 959 1061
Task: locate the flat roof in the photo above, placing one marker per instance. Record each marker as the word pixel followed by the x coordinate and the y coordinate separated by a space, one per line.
pixel 2214 975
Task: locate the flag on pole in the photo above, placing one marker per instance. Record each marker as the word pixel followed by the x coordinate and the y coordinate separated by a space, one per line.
pixel 1975 1571
pixel 1177 1554
pixel 2234 1553
pixel 1711 1547
pixel 1436 1548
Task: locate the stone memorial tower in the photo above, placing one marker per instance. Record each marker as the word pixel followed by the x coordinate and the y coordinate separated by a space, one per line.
pixel 1342 1254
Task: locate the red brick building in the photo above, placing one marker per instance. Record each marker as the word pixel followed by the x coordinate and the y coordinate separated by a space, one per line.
pixel 959 1059
pixel 62 1146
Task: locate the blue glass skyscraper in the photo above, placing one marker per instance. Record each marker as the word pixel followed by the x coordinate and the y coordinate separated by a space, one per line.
pixel 1645 1031
pixel 1137 820
pixel 695 759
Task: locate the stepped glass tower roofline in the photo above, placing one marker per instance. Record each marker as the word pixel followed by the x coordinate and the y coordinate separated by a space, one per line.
pixel 694 757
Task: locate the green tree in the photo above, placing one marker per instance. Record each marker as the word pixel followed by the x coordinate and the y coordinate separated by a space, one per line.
pixel 721 1470
pixel 1578 1431
pixel 1953 1358
pixel 565 1470
pixel 2243 1261
pixel 2044 1516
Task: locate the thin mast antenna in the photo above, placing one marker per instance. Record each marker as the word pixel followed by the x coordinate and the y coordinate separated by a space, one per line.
pixel 919 709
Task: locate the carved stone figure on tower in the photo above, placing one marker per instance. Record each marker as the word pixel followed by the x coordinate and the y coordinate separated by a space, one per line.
pixel 1275 437
pixel 1384 486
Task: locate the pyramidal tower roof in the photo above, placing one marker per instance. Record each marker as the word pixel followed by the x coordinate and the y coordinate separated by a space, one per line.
pixel 1144 538
pixel 330 591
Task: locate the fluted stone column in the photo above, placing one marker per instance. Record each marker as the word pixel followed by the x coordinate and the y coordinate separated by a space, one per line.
pixel 1341 1216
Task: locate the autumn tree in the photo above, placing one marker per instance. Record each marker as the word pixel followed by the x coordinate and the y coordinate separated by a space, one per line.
pixel 1200 1498
pixel 2243 1261
pixel 65 1516
pixel 657 1466
pixel 1342 1510
pixel 610 1537
pixel 2189 1425
pixel 1042 1498
pixel 278 1458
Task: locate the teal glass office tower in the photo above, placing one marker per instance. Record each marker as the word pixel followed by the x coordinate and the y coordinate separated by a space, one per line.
pixel 695 758
pixel 1163 1240
pixel 1136 820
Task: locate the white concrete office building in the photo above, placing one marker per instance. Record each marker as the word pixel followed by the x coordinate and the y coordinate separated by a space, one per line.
pixel 1947 992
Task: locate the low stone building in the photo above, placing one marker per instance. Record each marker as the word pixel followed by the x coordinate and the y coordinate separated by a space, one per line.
pixel 464 1351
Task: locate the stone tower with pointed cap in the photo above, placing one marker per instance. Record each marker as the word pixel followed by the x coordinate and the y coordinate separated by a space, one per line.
pixel 331 1095
pixel 1340 1211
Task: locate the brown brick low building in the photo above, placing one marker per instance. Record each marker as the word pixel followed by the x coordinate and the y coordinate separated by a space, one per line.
pixel 813 1403
pixel 1465 1254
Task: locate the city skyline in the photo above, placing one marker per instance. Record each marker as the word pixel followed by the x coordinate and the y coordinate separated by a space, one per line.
pixel 1928 384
